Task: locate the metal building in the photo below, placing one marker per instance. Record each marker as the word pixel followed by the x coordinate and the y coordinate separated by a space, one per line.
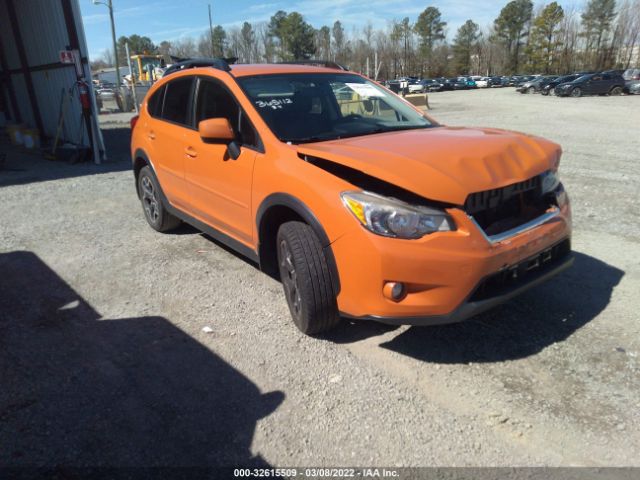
pixel 35 35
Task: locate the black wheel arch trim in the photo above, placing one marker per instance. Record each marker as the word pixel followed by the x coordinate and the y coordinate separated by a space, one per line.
pixel 299 207
pixel 140 153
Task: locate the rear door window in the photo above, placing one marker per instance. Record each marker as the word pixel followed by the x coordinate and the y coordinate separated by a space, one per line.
pixel 177 101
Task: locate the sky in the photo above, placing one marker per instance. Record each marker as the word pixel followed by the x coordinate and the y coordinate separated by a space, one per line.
pixel 173 19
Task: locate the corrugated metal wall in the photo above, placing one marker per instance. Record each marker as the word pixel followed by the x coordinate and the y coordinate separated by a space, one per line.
pixel 42 27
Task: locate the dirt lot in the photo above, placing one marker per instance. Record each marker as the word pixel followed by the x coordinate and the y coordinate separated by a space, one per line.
pixel 103 359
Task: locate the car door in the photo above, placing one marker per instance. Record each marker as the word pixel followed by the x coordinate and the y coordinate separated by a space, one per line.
pixel 220 186
pixel 167 135
pixel 607 83
pixel 594 84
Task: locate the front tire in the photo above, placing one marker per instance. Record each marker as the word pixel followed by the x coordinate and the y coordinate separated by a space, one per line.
pixel 155 213
pixel 616 91
pixel 306 279
pixel 576 92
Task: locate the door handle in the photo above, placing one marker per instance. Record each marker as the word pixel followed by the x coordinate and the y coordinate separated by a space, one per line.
pixel 190 151
pixel 152 135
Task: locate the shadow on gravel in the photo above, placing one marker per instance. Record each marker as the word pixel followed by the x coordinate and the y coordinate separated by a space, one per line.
pixel 21 167
pixel 80 391
pixel 541 317
pixel 351 330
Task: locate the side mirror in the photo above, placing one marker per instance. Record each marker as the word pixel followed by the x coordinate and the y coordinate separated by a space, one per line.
pixel 216 130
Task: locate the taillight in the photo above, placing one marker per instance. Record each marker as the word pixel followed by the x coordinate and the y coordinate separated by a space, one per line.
pixel 133 122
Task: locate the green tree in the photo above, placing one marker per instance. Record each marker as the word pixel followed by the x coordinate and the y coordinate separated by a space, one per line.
pixel 338 40
pixel 137 46
pixel 247 42
pixel 323 42
pixel 511 27
pixel 544 40
pixel 295 36
pixel 464 46
pixel 276 29
pixel 164 48
pixel 596 22
pixel 219 41
pixel 401 38
pixel 430 29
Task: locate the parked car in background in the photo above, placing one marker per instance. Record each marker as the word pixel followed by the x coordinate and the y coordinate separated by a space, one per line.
pixel 522 79
pixel 631 74
pixel 631 80
pixel 496 82
pixel 416 87
pixel 106 90
pixel 592 84
pixel 457 83
pixel 424 86
pixel 512 80
pixel 482 82
pixel 634 88
pixel 469 82
pixel 534 86
pixel 393 85
pixel 549 87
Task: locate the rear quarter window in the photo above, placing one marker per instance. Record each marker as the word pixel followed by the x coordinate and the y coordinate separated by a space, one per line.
pixel 177 101
pixel 154 105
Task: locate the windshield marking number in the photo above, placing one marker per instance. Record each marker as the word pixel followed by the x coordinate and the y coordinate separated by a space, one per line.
pixel 275 104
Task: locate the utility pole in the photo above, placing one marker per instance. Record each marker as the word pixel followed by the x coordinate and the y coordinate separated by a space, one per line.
pixel 211 32
pixel 109 5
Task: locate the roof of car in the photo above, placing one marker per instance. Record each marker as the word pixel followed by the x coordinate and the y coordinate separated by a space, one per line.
pixel 243 70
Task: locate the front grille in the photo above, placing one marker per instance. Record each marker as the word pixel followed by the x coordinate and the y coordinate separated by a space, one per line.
pixel 510 278
pixel 502 209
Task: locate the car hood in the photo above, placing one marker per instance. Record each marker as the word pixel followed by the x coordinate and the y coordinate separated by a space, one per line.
pixel 442 163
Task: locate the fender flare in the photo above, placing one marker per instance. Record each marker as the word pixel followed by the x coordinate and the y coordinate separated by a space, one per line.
pixel 300 208
pixel 140 153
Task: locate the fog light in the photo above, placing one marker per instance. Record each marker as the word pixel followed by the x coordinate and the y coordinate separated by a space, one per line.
pixel 395 291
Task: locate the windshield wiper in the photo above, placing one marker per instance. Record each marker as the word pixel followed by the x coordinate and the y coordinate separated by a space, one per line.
pixel 313 138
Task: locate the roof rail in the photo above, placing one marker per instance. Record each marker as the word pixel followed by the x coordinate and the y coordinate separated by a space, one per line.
pixel 183 64
pixel 320 63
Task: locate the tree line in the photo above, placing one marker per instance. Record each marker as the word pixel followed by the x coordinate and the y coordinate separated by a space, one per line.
pixel 602 34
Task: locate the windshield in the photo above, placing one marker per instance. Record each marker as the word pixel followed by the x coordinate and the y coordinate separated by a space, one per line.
pixel 302 108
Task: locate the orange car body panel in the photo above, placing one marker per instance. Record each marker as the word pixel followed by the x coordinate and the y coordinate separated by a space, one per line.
pixel 443 164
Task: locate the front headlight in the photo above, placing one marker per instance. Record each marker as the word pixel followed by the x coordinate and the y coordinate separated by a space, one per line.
pixel 549 181
pixel 551 184
pixel 393 218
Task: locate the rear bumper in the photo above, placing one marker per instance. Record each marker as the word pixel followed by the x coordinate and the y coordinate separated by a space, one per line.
pixel 471 307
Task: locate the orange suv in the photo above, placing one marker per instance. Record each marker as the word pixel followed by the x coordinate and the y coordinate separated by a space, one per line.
pixel 363 206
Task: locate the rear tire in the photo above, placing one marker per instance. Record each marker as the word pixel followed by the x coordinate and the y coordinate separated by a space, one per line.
pixel 306 279
pixel 155 213
pixel 544 92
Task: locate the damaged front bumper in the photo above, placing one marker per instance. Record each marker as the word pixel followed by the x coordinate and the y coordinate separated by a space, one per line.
pixel 479 302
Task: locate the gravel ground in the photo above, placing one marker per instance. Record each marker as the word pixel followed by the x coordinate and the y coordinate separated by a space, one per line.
pixel 104 360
